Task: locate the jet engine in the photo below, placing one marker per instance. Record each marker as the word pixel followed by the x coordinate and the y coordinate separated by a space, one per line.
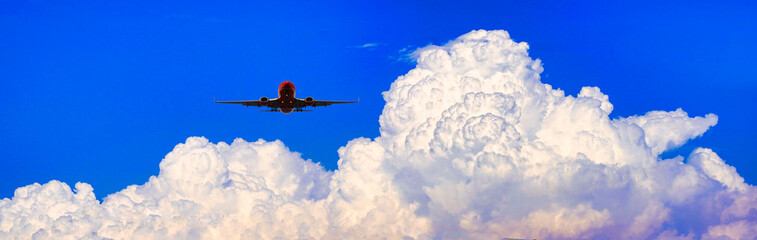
pixel 263 101
pixel 309 101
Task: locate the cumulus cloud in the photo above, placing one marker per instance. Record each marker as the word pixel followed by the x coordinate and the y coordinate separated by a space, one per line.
pixel 473 146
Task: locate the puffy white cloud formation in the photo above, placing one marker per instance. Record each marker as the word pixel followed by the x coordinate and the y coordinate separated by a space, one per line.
pixel 472 146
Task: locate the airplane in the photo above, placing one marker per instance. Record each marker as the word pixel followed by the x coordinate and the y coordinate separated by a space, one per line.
pixel 286 102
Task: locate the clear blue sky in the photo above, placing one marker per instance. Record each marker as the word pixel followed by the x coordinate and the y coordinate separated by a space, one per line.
pixel 99 92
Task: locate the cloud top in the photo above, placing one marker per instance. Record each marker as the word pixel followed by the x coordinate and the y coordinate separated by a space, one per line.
pixel 473 146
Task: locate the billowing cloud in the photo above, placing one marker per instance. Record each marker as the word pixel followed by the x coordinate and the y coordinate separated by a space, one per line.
pixel 473 146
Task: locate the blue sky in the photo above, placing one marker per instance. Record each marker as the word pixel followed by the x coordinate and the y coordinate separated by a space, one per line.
pixel 99 92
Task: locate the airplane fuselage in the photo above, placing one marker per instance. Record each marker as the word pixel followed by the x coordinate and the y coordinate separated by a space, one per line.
pixel 286 98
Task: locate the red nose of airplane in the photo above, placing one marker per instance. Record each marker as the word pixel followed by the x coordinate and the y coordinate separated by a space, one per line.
pixel 286 84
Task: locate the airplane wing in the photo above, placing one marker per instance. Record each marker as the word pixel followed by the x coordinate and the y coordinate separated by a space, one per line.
pixel 317 103
pixel 255 103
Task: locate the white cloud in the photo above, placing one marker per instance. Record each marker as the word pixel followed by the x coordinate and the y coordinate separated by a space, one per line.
pixel 472 146
pixel 371 46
